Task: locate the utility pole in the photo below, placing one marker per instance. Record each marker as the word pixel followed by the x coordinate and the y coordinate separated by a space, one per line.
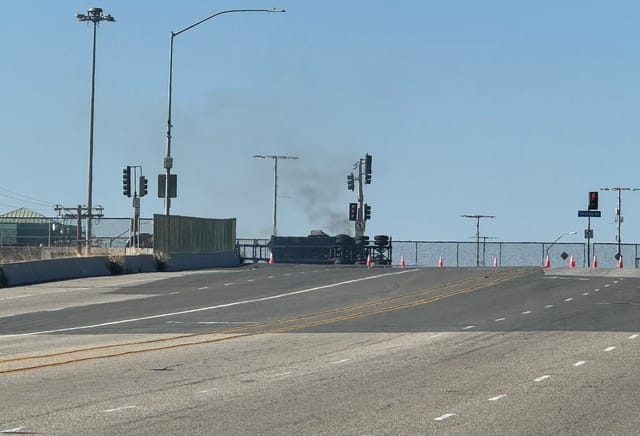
pixel 619 217
pixel 477 218
pixel 78 213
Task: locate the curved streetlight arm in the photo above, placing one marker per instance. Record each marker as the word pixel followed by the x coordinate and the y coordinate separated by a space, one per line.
pixel 557 239
pixel 173 34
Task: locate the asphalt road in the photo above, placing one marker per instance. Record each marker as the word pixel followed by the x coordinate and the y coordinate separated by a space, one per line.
pixel 323 350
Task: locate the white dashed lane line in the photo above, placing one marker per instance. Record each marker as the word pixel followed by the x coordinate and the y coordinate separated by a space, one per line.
pixel 606 286
pixel 445 416
pixel 497 397
pixel 340 361
pixel 608 349
pixel 469 327
pixel 118 409
pixel 500 319
pixel 568 299
pixel 580 363
pixel 526 312
pixel 585 293
pixel 541 378
pixel 203 288
pixel 548 306
pixel 228 284
pixel 633 336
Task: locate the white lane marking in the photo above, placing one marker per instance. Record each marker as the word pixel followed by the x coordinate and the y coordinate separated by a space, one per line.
pixel 250 280
pixel 282 374
pixel 585 293
pixel 174 322
pixel 526 312
pixel 228 284
pixel 469 327
pixel 499 319
pixel 615 282
pixel 497 397
pixel 341 361
pixel 15 298
pixel 609 349
pixel 202 309
pixel 633 336
pixel 548 306
pixel 286 274
pixel 596 290
pixel 270 277
pixel 301 272
pixel 568 299
pixel 315 271
pixel 14 430
pixel 117 409
pixel 173 293
pixel 445 416
pixel 203 288
pixel 541 378
pixel 579 363
pixel 435 336
pixel 606 286
pixel 206 391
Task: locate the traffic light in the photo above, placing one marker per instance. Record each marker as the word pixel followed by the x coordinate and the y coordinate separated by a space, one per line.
pixel 126 181
pixel 143 185
pixel 367 169
pixel 367 212
pixel 353 211
pixel 351 182
pixel 593 200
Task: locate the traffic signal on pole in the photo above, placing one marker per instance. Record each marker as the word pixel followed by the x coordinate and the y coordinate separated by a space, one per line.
pixel 143 185
pixel 126 181
pixel 351 182
pixel 367 169
pixel 367 212
pixel 593 200
pixel 353 211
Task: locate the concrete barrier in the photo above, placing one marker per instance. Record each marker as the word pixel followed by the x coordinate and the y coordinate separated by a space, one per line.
pixel 185 261
pixel 49 270
pixel 25 273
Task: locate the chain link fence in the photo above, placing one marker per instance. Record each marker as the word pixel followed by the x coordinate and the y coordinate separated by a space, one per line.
pixel 470 254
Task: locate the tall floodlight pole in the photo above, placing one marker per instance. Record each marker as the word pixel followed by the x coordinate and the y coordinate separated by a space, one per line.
pixel 477 218
pixel 619 217
pixel 168 160
pixel 275 185
pixel 95 15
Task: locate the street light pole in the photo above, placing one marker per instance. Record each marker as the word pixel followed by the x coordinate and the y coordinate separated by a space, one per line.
pixel 94 15
pixel 619 217
pixel 477 217
pixel 168 160
pixel 275 184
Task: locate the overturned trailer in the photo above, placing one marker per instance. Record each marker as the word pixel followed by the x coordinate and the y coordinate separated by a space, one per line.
pixel 320 248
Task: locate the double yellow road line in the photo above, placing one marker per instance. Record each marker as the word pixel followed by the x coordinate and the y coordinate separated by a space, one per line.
pixel 301 322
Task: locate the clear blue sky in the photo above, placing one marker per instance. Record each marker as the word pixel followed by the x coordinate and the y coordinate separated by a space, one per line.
pixel 510 108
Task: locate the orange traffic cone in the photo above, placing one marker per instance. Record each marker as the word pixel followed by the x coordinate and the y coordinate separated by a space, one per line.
pixel 401 261
pixel 271 259
pixel 547 262
pixel 369 261
pixel 440 264
pixel 594 264
pixel 572 262
pixel 495 262
pixel 620 262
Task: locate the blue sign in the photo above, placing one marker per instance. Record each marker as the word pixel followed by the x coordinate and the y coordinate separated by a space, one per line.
pixel 588 214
